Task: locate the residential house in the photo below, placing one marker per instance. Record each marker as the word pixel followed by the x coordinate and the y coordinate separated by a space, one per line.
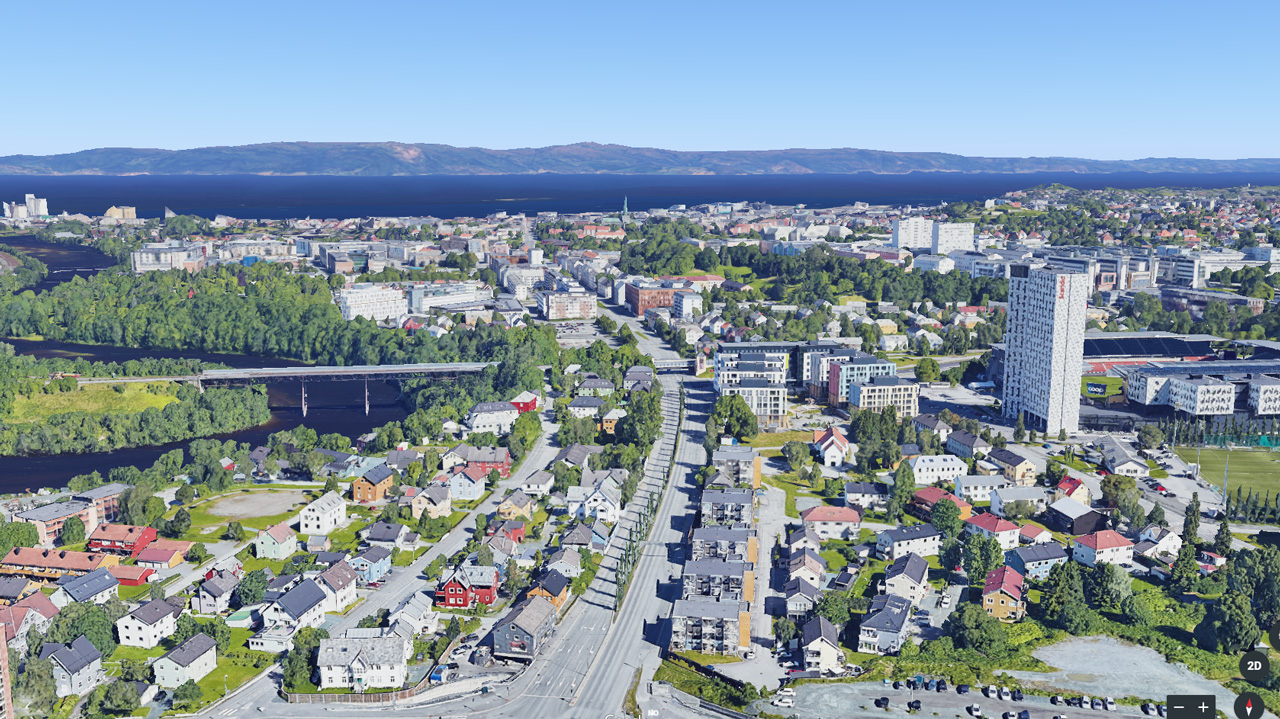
pixel 1008 500
pixel 1106 545
pixel 1013 466
pixel 609 422
pixel 418 613
pixel 720 542
pixel 48 519
pixel 14 589
pixel 302 606
pixel 1034 562
pixel 921 504
pixel 465 486
pixel 468 585
pixel 602 500
pixel 989 525
pixel 594 536
pixel 820 641
pixel 124 539
pixel 521 633
pixel 931 469
pixel 581 407
pixel 191 660
pixel 539 484
pixel 975 488
pixel 802 539
pixel 1073 488
pixel 907 577
pixel 1002 596
pixel 496 417
pixel 324 515
pixel 1164 542
pixel 593 387
pixel 808 565
pixel 554 587
pixel 214 595
pixel 565 561
pixel 931 423
pixel 434 500
pixel 339 585
pixel 866 495
pixel 964 444
pixel 741 465
pixel 372 564
pixel 708 626
pixel 636 375
pixel 512 530
pixel 576 455
pixel 1034 534
pixel 50 564
pixel 727 507
pixel 155 558
pixel 718 578
pixel 922 539
pixel 96 587
pixel 372 486
pixel 832 447
pixel 525 402
pixel 801 598
pixel 517 504
pixel 390 536
pixel 1119 458
pixel 360 664
pixel 884 628
pixel 1071 517
pixel 231 564
pixel 483 459
pixel 832 522
pixel 275 542
pixel 33 612
pixel 148 624
pixel 131 576
pixel 77 667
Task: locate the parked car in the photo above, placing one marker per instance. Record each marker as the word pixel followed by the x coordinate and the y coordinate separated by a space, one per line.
pixel 914 705
pixel 785 702
pixel 1017 695
pixel 962 689
pixel 931 685
pixel 1024 714
pixel 1160 709
pixel 975 711
pixel 1148 708
pixel 897 685
pixel 942 685
pixel 1055 700
pixel 786 692
pixel 1004 694
pixel 990 691
pixel 882 703
pixel 1109 704
pixel 1096 705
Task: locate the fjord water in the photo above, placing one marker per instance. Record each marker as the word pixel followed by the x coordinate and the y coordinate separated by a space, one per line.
pixel 272 197
pixel 331 406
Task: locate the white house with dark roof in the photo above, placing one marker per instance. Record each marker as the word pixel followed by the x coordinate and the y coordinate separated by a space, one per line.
pixel 907 577
pixel 884 628
pixel 96 587
pixel 496 417
pixel 148 624
pixel 362 664
pixel 965 444
pixel 820 641
pixel 324 515
pixel 191 660
pixel 868 495
pixel 974 488
pixel 214 594
pixel 930 469
pixel 77 667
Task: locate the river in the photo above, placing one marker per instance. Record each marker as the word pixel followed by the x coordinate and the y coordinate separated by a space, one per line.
pixel 331 406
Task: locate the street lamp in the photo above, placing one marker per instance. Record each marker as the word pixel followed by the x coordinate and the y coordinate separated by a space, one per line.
pixel 224 685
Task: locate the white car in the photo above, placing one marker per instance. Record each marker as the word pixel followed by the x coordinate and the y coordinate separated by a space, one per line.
pixel 1005 694
pixel 786 692
pixel 1109 704
pixel 785 702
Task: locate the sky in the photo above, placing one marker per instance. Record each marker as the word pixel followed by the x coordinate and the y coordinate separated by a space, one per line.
pixel 1103 80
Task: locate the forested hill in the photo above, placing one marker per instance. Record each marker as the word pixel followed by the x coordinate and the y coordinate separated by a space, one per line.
pixel 393 158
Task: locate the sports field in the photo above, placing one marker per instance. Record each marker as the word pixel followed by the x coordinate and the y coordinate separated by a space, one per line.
pixel 1256 469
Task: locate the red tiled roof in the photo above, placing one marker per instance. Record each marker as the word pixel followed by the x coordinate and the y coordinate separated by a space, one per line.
pixel 127 573
pixel 830 514
pixel 991 523
pixel 39 602
pixel 117 533
pixel 156 554
pixel 1106 539
pixel 1004 579
pixel 53 559
pixel 821 437
pixel 171 544
pixel 281 532
pixel 1031 531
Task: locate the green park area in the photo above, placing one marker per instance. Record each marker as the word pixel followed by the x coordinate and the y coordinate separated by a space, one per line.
pixel 1090 385
pixel 1258 470
pixel 94 399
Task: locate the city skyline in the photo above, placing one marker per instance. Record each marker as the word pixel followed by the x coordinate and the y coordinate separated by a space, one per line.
pixel 701 77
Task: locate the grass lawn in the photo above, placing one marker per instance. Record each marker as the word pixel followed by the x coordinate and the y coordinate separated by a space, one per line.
pixel 468 506
pixel 1156 472
pixel 132 594
pixel 225 678
pixel 1250 469
pixel 710 659
pixel 253 564
pixel 1113 385
pixel 93 398
pixel 135 653
pixel 777 439
pixel 794 488
pixel 404 559
pixel 691 682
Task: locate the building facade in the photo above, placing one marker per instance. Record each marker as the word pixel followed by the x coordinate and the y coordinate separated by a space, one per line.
pixel 1045 347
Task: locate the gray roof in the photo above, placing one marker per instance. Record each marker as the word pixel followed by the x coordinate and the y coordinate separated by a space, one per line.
pixel 84 588
pixel 554 582
pixel 106 490
pixel 373 555
pixel 155 610
pixel 888 612
pixel 595 383
pixel 339 576
pixel 1005 456
pixel 591 402
pixel 866 488
pixel 481 454
pixel 1041 553
pixel 909 565
pixel 1017 494
pixel 483 407
pixel 384 532
pixel 720 534
pixel 192 649
pixel 802 534
pixel 11 588
pixel 578 453
pixel 819 628
pixel 219 584
pixel 967 439
pixel 1069 508
pixel 73 657
pixel 727 496
pixel 302 598
pixel 569 556
pixel 799 586
pixel 707 608
pixel 373 650
pixel 931 422
pixel 715 568
pixel 377 474
pixel 327 502
pixel 915 531
pixel 402 458
pixel 733 454
pixel 56 510
pixel 533 616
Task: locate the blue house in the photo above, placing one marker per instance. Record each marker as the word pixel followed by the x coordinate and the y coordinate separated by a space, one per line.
pixel 1034 562
pixel 372 564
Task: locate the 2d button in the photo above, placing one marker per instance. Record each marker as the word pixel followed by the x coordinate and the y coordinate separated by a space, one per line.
pixel 1249 706
pixel 1255 666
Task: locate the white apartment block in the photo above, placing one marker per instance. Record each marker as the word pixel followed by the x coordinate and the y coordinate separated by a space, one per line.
pixel 1264 395
pixel 423 297
pixel 913 233
pixel 323 516
pixel 1201 396
pixel 936 263
pixel 521 281
pixel 686 305
pixel 1045 347
pixel 575 305
pixel 171 255
pixel 767 400
pixel 373 302
pixel 949 237
pixel 880 392
pixel 932 468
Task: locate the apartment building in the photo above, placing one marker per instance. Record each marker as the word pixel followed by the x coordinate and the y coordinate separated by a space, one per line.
pixel 570 305
pixel 845 368
pixel 719 579
pixel 737 544
pixel 727 507
pixel 373 302
pixel 933 468
pixel 948 237
pixel 912 233
pixel 423 297
pixel 1045 347
pixel 740 465
pixel 879 392
pixel 1264 395
pixel 766 400
pixel 703 624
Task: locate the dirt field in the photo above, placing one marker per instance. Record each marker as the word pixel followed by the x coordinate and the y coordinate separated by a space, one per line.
pixel 257 504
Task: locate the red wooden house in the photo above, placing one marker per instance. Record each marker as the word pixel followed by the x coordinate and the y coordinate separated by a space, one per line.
pixel 121 539
pixel 512 529
pixel 468 585
pixel 526 402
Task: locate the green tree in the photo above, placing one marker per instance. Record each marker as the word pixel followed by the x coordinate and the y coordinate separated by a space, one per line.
pixel 135 670
pixel 121 698
pixel 87 619
pixel 1222 540
pixel 331 484
pixel 1150 436
pixel 484 556
pixel 1185 570
pixel 179 525
pixel 188 695
pixel 1137 611
pixel 1229 625
pixel 904 487
pixel 219 631
pixel 1114 486
pixel 927 370
pixel 187 627
pixel 198 554
pixel 1156 516
pixel 1063 588
pixel 1191 521
pixel 981 555
pixel 252 588
pixel 784 630
pixel 36 684
pixel 1019 429
pixel 155 591
pixel 235 532
pixel 72 531
pixel 186 494
pixel 1109 585
pixel 482 525
pixel 835 607
pixel 732 412
pixel 946 517
pixel 797 454
pixel 970 627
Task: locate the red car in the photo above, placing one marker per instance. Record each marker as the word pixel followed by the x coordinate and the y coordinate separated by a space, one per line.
pixel 374 585
pixel 1160 488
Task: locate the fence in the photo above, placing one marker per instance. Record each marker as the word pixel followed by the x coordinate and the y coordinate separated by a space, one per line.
pixel 421 690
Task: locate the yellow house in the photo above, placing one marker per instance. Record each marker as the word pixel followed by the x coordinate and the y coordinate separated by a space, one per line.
pixel 517 505
pixel 433 499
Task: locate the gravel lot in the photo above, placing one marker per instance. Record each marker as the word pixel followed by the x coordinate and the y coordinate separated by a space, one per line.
pixel 257 504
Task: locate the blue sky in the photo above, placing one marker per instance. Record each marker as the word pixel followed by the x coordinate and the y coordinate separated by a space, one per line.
pixel 1108 80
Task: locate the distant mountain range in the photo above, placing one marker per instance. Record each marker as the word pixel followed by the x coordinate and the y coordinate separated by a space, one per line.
pixel 394 158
